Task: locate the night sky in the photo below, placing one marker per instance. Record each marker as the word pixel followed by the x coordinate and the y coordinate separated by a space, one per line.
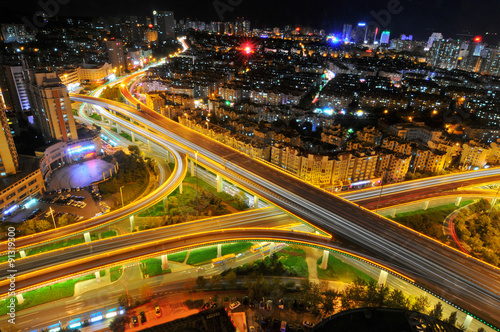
pixel 417 17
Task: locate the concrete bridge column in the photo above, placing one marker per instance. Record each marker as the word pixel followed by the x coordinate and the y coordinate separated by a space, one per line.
pixel 459 199
pixel 394 213
pixel 426 205
pixel 192 167
pixel 467 321
pixel 22 253
pixel 110 172
pixel 165 203
pixel 117 128
pixel 271 248
pixel 219 183
pixel 219 250
pixel 255 202
pixel 164 262
pixel 324 262
pixel 132 223
pixel 20 298
pixel 98 276
pixel 149 145
pixel 180 188
pixel 87 238
pixel 382 278
pixel 132 134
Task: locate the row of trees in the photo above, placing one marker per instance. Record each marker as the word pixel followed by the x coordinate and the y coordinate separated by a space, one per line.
pixel 32 226
pixel 478 228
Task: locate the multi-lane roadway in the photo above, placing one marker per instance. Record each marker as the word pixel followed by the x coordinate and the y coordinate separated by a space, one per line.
pixel 467 282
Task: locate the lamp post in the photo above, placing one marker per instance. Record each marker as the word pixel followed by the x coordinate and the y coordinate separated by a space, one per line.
pixel 52 214
pixel 196 174
pixel 381 188
pixel 121 195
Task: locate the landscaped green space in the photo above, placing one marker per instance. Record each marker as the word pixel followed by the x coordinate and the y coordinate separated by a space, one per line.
pixel 478 229
pixel 107 234
pixel 96 116
pixel 192 205
pixel 152 267
pixel 126 136
pixel 115 273
pixel 47 294
pixel 202 256
pixel 179 257
pixel 340 271
pixel 58 245
pixel 132 175
pixel 235 248
pixel 430 221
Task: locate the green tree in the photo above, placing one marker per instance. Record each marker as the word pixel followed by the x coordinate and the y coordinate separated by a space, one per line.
pixel 437 311
pixel 329 302
pixel 134 149
pixel 241 200
pixel 452 320
pixel 201 282
pixel 397 300
pixel 421 304
pixel 125 300
pixel 215 280
pixel 43 225
pixel 119 323
pixel 231 278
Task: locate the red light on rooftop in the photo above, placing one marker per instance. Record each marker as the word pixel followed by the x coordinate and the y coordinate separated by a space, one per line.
pixel 297 29
pixel 478 39
pixel 150 26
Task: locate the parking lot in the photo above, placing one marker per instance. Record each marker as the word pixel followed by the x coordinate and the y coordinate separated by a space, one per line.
pixel 77 202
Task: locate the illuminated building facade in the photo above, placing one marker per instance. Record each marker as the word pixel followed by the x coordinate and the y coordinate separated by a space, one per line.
pixel 51 107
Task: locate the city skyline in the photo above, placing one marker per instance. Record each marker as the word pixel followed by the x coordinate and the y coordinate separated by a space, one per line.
pixel 409 17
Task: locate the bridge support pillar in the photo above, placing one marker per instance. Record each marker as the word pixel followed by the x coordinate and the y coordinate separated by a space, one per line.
pixel 382 278
pixel 117 128
pixel 97 276
pixel 219 250
pixel 132 223
pixel 180 188
pixel 324 262
pixel 191 164
pixel 467 321
pixel 271 248
pixel 165 203
pixel 22 253
pixel 20 298
pixel 87 238
pixel 149 145
pixel 255 202
pixel 457 202
pixel 132 134
pixel 393 215
pixel 219 183
pixel 426 205
pixel 164 262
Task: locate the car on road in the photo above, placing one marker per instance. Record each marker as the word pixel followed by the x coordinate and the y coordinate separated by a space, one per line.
pixel 135 320
pixel 234 305
pixel 251 329
pixel 281 304
pixel 158 311
pixel 307 323
pixel 143 317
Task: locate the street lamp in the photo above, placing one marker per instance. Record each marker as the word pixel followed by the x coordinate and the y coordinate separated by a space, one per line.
pixel 121 194
pixel 52 214
pixel 196 174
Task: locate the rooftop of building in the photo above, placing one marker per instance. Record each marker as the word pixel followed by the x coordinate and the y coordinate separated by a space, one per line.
pixel 27 165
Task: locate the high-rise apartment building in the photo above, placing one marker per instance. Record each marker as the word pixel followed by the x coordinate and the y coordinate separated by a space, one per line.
pixel 385 37
pixel 9 163
pixel 444 54
pixel 51 107
pixel 346 33
pixel 116 56
pixel 14 89
pixel 436 36
pixel 165 23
